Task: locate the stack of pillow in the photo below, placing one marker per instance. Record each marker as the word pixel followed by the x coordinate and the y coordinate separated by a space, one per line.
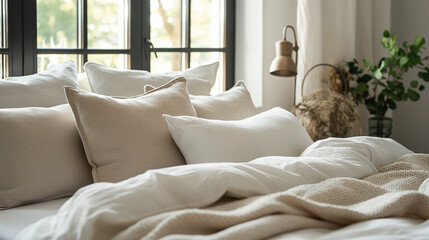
pixel 48 147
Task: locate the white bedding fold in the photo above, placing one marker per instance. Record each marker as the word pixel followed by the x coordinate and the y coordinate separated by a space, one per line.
pixel 103 210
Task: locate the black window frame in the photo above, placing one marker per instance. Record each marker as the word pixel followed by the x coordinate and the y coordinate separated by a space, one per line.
pixel 4 50
pixel 22 38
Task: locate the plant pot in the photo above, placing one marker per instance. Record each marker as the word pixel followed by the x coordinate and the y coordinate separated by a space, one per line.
pixel 380 127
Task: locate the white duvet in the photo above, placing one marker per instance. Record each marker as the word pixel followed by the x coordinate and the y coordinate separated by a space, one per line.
pixel 104 210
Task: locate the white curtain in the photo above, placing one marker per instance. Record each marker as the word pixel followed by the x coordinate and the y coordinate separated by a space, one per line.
pixel 336 31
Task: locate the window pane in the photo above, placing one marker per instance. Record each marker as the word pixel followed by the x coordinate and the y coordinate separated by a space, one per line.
pixel 166 62
pixel 119 61
pixel 207 23
pixel 46 61
pixel 56 24
pixel 200 58
pixel 165 23
pixel 108 24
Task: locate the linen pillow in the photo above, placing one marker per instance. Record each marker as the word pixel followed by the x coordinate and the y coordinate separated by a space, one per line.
pixel 128 136
pixel 113 82
pixel 234 104
pixel 41 155
pixel 274 132
pixel 43 89
pixel 83 82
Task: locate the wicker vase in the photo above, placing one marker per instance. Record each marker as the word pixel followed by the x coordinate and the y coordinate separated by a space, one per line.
pixel 329 113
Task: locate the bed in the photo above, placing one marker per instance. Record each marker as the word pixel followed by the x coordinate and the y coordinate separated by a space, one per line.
pixel 169 201
pixel 167 164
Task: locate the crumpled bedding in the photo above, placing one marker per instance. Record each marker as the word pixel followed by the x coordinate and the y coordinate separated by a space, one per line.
pixel 401 189
pixel 109 210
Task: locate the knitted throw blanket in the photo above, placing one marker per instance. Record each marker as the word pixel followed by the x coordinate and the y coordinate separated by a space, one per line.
pixel 400 189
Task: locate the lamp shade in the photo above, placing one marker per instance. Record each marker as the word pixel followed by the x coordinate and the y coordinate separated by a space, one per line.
pixel 283 65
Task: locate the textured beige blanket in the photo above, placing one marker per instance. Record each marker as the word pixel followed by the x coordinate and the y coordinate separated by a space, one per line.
pixel 400 189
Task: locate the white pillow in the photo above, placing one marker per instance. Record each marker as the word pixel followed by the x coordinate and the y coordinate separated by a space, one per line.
pixel 274 132
pixel 83 82
pixel 41 155
pixel 113 82
pixel 45 89
pixel 234 104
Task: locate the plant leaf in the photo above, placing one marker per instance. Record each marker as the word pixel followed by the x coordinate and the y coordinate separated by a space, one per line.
pixel 413 95
pixel 421 88
pixel 393 50
pixel 365 63
pixel 385 43
pixel 424 76
pixel 403 61
pixel 405 44
pixel 414 84
pixel 382 64
pixel 377 74
pixel 386 33
pixel 365 78
pixel 396 97
pixel 419 41
pixel 391 104
pixel 361 87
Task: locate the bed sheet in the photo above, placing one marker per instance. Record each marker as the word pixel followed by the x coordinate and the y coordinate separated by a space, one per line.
pixel 13 220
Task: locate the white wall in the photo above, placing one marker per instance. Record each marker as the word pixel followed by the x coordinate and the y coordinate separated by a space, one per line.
pixel 259 25
pixel 248 47
pixel 277 91
pixel 411 119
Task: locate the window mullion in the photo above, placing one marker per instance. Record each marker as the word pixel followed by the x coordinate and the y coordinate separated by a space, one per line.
pixel 29 34
pixel 15 37
pixel 230 43
pixel 136 25
pixel 85 30
pixel 145 48
pixel 187 31
pixel 79 32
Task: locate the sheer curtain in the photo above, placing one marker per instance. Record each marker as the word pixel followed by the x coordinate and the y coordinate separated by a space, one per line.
pixel 336 31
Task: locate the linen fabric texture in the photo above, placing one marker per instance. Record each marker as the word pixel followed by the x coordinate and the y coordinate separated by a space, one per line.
pixel 113 82
pixel 120 210
pixel 124 137
pixel 275 132
pixel 42 156
pixel 234 104
pixel 44 89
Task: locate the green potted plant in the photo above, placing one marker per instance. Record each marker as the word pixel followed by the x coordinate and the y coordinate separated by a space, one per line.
pixel 380 86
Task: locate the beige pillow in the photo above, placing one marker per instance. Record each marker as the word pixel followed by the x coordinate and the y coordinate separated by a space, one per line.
pixel 128 136
pixel 44 89
pixel 41 155
pixel 113 82
pixel 234 104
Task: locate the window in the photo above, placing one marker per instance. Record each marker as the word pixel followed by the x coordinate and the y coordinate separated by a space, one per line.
pixel 91 30
pixel 125 34
pixel 187 34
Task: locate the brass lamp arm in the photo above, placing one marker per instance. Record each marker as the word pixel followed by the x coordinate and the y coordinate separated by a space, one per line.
pixel 294 35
